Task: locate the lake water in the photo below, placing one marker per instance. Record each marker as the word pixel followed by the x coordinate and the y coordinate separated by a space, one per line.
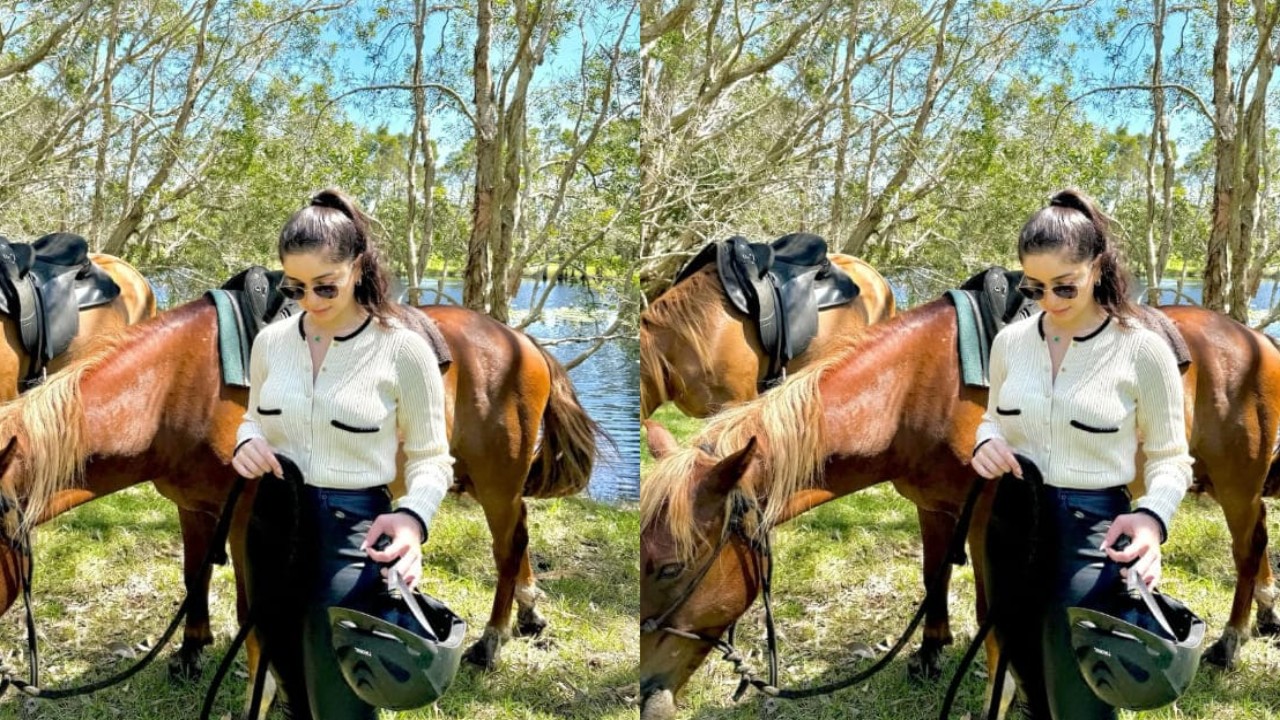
pixel 607 383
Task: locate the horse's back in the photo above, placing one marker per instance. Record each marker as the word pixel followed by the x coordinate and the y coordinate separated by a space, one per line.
pixel 498 381
pixel 1233 382
pixel 875 296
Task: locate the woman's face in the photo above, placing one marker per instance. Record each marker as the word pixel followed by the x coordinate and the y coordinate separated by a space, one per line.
pixel 1054 273
pixel 318 276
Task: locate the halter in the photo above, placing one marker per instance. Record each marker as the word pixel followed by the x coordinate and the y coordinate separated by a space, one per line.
pixel 26 567
pixel 761 546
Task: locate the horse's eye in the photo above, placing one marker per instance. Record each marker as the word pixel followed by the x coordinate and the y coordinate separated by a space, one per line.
pixel 670 571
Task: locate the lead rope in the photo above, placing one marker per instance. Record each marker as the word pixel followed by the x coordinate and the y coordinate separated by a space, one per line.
pixel 748 678
pixel 32 689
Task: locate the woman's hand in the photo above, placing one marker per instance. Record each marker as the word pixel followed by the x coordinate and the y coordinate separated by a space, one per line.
pixel 995 458
pixel 405 547
pixel 256 458
pixel 1144 546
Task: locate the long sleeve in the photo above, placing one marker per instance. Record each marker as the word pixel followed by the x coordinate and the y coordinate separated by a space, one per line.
pixel 249 426
pixel 420 417
pixel 1162 424
pixel 990 427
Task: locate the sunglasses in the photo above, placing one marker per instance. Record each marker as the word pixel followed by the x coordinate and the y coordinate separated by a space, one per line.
pixel 328 291
pixel 1036 294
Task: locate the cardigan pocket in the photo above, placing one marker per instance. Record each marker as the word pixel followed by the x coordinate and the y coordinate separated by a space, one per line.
pixel 1093 429
pixel 352 428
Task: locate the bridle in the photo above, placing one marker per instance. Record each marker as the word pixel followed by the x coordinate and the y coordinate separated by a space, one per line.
pixel 21 543
pixel 760 543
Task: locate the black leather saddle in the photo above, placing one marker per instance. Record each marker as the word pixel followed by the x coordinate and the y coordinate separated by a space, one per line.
pixel 995 293
pixel 255 291
pixel 781 286
pixel 43 287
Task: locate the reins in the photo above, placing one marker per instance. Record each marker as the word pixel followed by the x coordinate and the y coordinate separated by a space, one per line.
pixel 762 554
pixel 22 544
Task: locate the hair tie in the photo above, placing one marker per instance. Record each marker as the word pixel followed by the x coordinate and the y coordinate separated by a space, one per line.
pixel 330 200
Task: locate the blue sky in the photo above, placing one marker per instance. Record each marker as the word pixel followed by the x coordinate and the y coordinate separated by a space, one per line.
pixel 562 60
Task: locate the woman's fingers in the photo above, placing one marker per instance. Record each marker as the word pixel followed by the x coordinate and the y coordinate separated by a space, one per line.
pixel 1011 463
pixel 257 458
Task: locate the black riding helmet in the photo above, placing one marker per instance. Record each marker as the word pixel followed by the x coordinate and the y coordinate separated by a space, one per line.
pixel 1128 659
pixel 398 653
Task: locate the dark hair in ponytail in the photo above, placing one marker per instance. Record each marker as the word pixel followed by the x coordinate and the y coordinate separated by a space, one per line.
pixel 332 223
pixel 1072 223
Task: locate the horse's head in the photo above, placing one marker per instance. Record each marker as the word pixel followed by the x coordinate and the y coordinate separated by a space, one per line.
pixel 694 350
pixel 699 569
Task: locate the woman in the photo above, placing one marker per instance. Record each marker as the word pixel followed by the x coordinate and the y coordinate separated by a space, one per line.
pixel 1072 390
pixel 330 388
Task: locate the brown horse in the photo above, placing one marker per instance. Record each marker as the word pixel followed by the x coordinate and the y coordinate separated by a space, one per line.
pixel 135 303
pixel 699 352
pixel 891 405
pixel 151 405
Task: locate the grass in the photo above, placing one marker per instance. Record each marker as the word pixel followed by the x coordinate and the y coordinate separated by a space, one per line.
pixel 108 580
pixel 847 581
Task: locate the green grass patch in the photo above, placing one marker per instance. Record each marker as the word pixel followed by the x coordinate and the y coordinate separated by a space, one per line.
pixel 109 578
pixel 848 579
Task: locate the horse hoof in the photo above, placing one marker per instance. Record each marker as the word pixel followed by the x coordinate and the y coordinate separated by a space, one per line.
pixel 1222 654
pixel 530 624
pixel 484 653
pixel 184 666
pixel 1268 625
pixel 480 656
pixel 924 663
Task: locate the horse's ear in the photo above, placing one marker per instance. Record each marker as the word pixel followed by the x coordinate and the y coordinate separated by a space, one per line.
pixel 661 441
pixel 727 473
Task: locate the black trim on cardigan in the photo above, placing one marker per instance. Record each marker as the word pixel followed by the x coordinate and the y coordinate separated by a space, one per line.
pixel 350 428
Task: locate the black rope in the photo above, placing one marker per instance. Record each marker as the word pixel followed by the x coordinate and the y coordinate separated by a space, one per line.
pixel 993 613
pixel 969 654
pixel 219 540
pixel 225 666
pixel 933 587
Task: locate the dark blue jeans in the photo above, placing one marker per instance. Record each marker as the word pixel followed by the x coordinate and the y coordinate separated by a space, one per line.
pixel 1031 603
pixel 342 572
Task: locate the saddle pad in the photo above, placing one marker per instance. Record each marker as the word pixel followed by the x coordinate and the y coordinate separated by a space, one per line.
pixel 971 341
pixel 233 346
pixel 1160 324
pixel 422 324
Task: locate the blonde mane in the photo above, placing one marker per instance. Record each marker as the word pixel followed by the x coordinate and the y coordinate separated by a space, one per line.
pixel 685 310
pixel 49 427
pixel 790 431
pixel 789 427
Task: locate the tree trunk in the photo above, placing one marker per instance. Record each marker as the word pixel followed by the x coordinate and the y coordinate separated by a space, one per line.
pixel 1155 263
pixel 476 276
pixel 414 294
pixel 1224 214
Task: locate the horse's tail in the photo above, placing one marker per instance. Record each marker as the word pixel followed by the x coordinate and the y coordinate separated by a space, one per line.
pixel 567 452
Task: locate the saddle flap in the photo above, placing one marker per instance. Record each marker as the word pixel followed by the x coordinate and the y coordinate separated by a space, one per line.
pixel 800 249
pixel 740 273
pixel 64 249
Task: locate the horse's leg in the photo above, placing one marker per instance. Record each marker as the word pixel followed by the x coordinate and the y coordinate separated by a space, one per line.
pixel 1264 589
pixel 1246 519
pixel 936 530
pixel 977 553
pixel 506 518
pixel 197 534
pixel 529 622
